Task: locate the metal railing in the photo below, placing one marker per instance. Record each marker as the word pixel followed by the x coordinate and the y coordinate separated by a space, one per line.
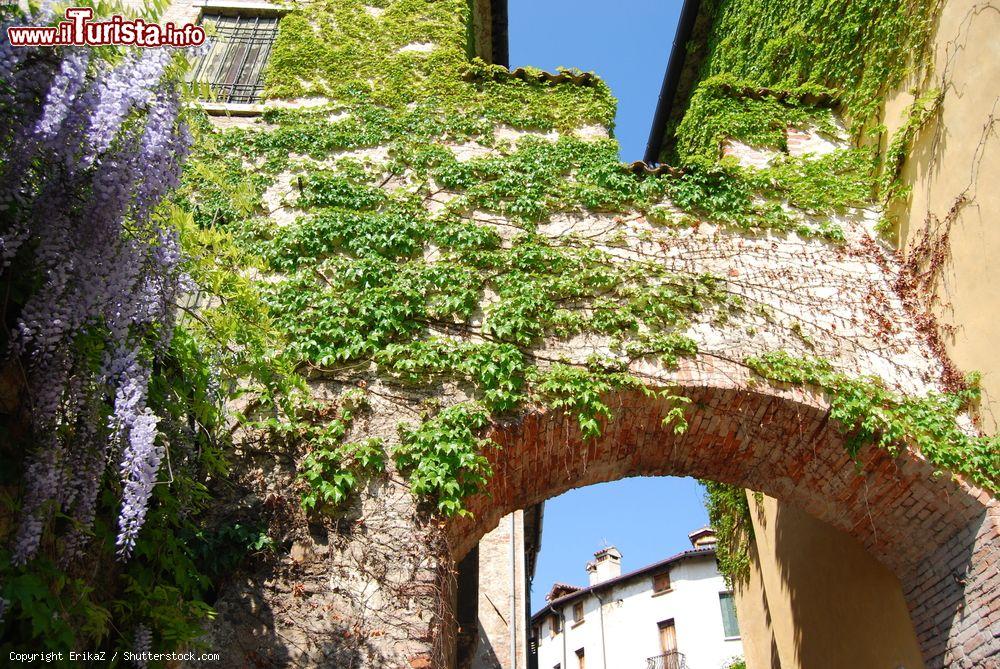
pixel 671 660
pixel 239 48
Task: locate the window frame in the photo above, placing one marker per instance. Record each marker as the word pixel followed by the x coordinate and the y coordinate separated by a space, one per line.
pixel 727 595
pixel 578 608
pixel 670 584
pixel 555 624
pixel 244 91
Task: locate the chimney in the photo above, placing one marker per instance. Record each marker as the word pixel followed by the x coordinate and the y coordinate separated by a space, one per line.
pixel 607 565
pixel 703 538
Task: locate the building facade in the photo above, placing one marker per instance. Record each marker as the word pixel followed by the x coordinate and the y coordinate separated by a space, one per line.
pixel 494 586
pixel 805 572
pixel 673 614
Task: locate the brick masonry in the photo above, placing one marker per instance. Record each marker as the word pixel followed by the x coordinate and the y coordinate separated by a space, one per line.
pixel 938 534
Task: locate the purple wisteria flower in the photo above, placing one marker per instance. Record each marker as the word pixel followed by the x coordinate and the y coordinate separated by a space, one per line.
pixel 88 149
pixel 140 464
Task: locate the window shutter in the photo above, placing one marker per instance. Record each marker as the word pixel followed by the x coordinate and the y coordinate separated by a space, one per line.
pixel 729 624
pixel 668 637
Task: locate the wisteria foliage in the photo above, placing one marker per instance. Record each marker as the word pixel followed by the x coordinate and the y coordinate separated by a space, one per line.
pixel 88 147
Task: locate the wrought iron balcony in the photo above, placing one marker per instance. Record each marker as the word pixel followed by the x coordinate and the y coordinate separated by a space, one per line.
pixel 671 660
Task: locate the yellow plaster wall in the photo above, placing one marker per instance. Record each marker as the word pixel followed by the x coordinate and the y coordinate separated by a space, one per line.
pixel 830 604
pixel 760 645
pixel 954 163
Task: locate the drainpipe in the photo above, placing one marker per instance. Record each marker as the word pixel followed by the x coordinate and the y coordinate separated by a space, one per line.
pixel 513 592
pixel 562 626
pixel 604 652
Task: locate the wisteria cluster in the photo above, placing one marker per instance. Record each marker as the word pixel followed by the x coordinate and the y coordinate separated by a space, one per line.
pixel 88 147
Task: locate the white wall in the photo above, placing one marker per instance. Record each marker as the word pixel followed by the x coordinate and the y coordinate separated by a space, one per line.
pixel 631 614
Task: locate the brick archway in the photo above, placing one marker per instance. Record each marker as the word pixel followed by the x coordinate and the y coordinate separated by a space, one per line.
pixel 938 535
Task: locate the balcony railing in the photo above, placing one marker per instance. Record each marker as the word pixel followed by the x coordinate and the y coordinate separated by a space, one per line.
pixel 671 660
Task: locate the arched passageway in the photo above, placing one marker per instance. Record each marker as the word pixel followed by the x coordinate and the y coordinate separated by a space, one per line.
pixel 937 534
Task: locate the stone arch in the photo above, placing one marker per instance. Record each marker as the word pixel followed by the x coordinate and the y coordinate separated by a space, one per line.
pixel 936 533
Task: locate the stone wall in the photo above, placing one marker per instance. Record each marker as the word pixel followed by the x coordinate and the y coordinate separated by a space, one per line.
pixel 502 601
pixel 372 584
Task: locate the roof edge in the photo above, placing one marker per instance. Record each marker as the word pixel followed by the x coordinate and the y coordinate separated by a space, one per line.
pixel 683 555
pixel 499 32
pixel 671 80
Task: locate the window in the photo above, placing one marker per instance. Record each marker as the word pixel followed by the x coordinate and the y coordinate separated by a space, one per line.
pixel 554 624
pixel 578 612
pixel 661 582
pixel 239 47
pixel 729 625
pixel 668 637
pixel 581 661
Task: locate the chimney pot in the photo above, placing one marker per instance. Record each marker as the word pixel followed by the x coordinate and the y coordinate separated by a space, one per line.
pixel 607 565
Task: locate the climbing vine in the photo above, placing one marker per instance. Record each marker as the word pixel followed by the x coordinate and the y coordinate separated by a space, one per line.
pixel 917 115
pixel 353 288
pixel 854 51
pixel 333 469
pixel 870 413
pixel 444 456
pixel 729 514
pixel 723 107
pixel 766 67
pixel 411 229
pixel 415 201
pixel 415 53
pixel 111 414
pixel 769 66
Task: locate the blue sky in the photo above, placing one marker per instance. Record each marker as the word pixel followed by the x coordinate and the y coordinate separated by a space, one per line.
pixel 626 42
pixel 646 518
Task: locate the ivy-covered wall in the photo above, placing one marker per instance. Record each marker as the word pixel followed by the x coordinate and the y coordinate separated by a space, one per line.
pixel 760 67
pixel 411 254
pixel 410 247
pixel 402 200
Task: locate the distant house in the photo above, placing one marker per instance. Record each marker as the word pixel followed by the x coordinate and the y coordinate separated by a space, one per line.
pixel 673 614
